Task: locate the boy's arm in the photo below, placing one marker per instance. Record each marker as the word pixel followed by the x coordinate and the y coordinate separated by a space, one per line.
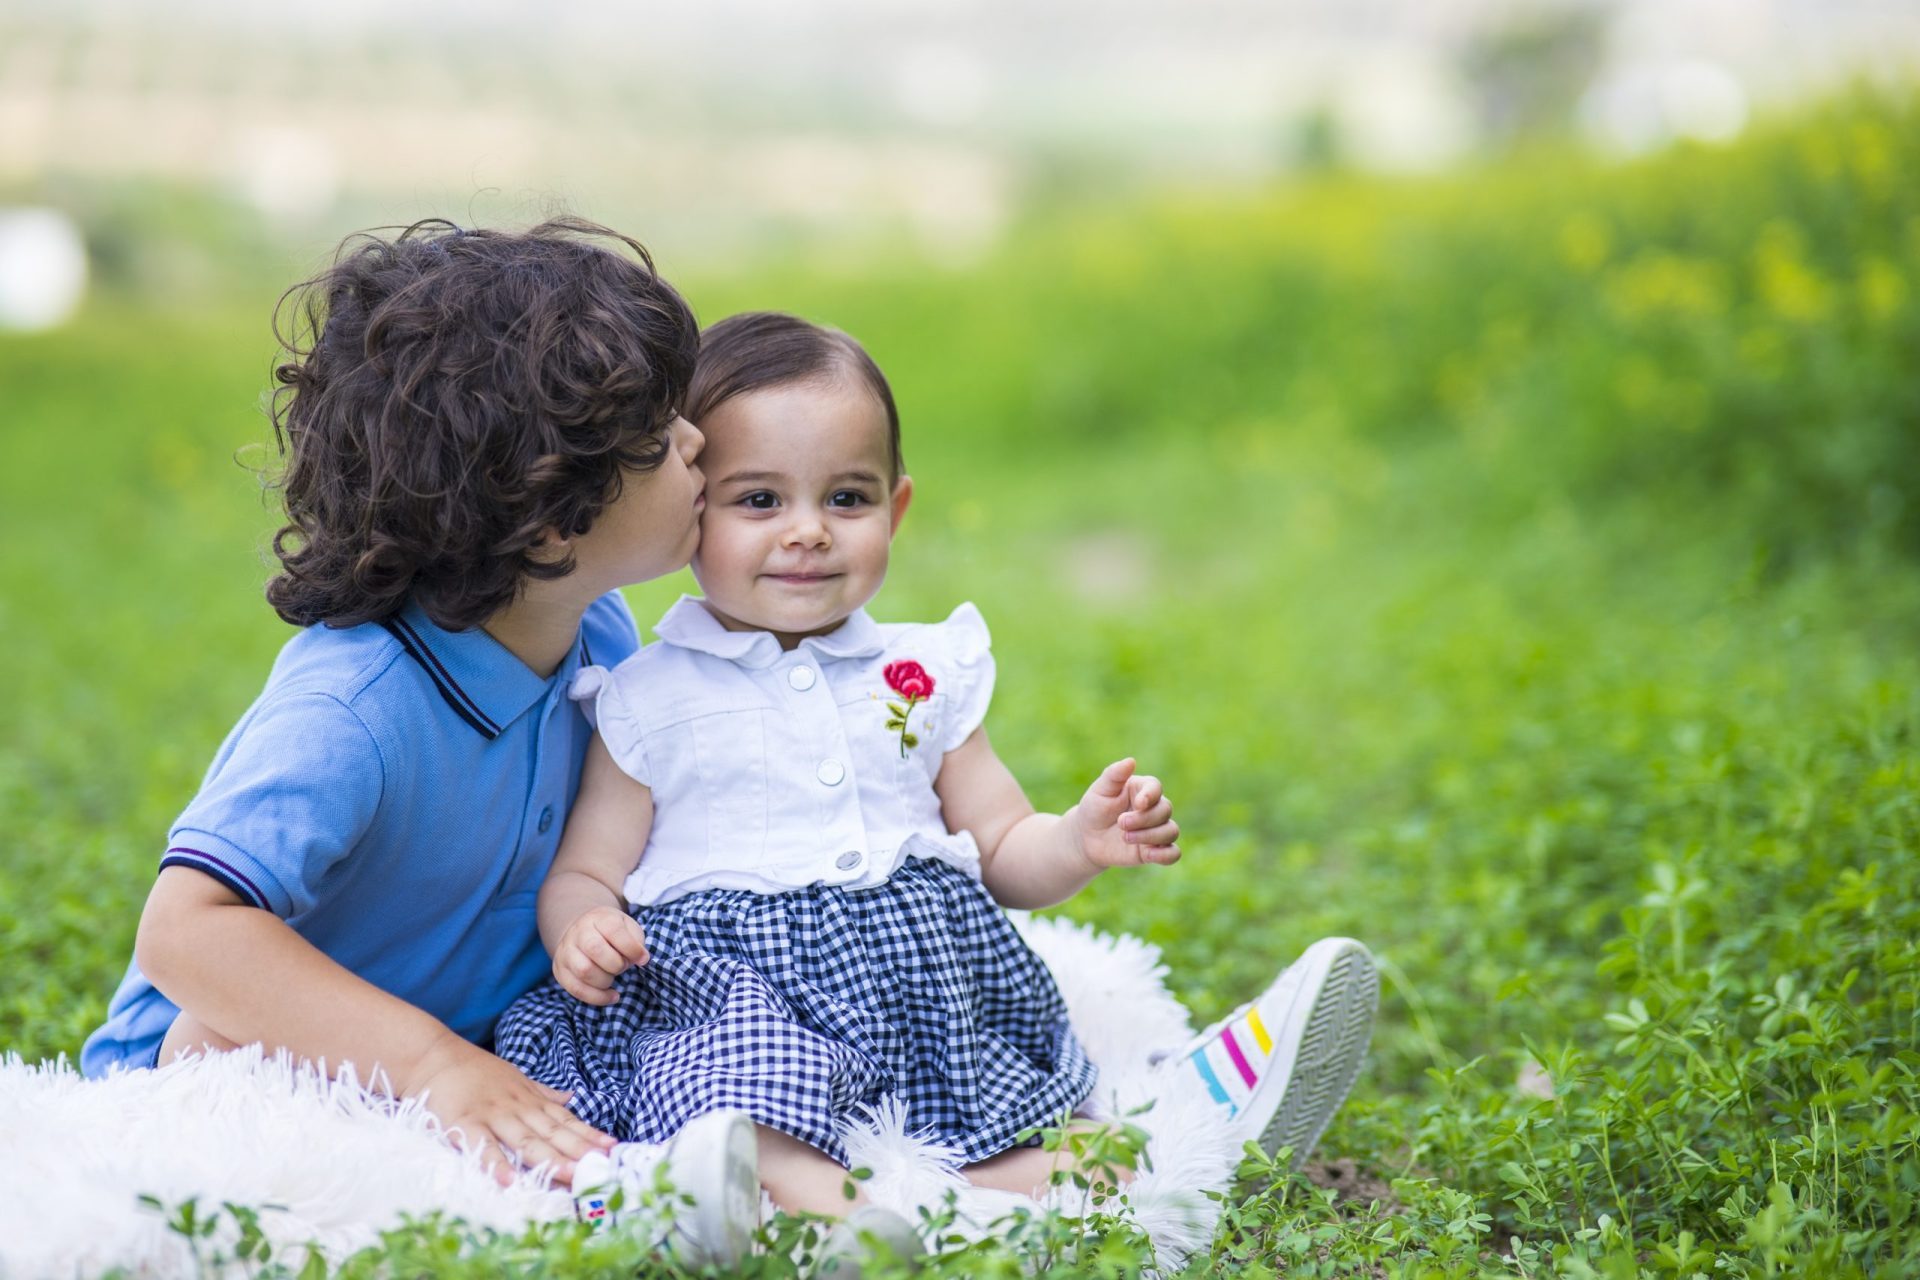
pixel 1030 859
pixel 244 974
pixel 582 910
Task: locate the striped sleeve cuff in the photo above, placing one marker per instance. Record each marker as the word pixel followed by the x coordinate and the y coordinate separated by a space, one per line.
pixel 220 869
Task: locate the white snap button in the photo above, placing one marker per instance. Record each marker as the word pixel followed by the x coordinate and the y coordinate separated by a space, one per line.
pixel 831 772
pixel 848 860
pixel 801 678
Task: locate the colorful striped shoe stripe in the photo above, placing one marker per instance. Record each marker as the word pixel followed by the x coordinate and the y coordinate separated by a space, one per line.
pixel 1259 1029
pixel 1239 1059
pixel 1214 1086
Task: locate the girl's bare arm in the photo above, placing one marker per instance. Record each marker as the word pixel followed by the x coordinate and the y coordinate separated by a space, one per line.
pixel 1030 859
pixel 582 912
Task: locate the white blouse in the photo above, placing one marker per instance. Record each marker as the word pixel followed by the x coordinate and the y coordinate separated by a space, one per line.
pixel 772 770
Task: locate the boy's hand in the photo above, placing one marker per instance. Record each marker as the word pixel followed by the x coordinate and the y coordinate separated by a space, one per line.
pixel 1124 820
pixel 486 1105
pixel 598 947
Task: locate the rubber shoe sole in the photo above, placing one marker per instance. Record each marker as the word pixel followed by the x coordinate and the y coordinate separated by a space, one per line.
pixel 1324 1034
pixel 849 1253
pixel 716 1159
pixel 713 1167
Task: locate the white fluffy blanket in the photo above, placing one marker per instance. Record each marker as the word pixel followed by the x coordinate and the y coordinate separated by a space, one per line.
pixel 338 1164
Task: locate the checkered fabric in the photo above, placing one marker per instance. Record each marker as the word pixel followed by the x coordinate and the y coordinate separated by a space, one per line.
pixel 800 1008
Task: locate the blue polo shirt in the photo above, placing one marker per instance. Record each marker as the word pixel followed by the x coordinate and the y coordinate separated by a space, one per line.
pixel 396 795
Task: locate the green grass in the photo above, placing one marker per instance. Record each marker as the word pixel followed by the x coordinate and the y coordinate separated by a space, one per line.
pixel 1516 571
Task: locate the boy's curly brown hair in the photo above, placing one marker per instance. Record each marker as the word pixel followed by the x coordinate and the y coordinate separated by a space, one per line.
pixel 451 395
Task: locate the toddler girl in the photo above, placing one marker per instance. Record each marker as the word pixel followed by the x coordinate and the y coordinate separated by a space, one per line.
pixel 780 891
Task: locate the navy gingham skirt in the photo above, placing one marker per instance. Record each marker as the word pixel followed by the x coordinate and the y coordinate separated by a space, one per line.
pixel 804 1008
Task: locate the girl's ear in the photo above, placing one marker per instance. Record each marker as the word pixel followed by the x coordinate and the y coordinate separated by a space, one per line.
pixel 902 499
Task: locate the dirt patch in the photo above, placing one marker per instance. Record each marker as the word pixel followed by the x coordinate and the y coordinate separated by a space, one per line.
pixel 1353 1184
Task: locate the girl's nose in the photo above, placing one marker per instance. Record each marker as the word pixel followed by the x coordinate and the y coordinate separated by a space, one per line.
pixel 807 529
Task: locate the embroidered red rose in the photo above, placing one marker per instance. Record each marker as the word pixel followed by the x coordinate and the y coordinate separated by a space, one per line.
pixel 910 680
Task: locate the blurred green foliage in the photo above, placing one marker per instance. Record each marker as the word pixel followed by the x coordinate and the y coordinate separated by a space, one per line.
pixel 1515 570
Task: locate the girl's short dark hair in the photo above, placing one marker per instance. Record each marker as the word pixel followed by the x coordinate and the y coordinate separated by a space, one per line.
pixel 450 395
pixel 759 349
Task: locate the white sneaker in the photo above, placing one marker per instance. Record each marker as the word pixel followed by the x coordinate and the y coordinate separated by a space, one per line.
pixel 867 1236
pixel 1282 1064
pixel 713 1168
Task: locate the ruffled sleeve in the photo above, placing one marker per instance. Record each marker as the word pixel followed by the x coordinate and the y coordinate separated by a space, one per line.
pixel 603 700
pixel 968 653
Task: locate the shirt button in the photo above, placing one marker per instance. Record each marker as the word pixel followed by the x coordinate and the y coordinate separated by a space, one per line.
pixel 848 860
pixel 546 819
pixel 831 772
pixel 802 678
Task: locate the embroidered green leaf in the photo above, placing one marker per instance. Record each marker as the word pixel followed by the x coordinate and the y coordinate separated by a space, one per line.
pixel 910 740
pixel 896 723
pixel 897 709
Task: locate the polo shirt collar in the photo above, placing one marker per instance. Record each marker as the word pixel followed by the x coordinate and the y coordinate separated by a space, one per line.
pixel 480 678
pixel 688 625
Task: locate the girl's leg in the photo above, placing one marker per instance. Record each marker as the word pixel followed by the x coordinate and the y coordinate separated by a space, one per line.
pixel 1029 1170
pixel 189 1035
pixel 803 1179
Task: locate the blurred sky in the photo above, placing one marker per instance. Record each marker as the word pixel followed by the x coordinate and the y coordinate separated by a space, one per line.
pixel 729 120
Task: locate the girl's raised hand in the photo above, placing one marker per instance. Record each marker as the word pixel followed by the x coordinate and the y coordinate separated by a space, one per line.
pixel 1125 819
pixel 595 949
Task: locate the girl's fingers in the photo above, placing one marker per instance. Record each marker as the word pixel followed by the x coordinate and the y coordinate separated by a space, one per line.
pixel 582 989
pixel 1146 792
pixel 1134 823
pixel 1112 782
pixel 1164 855
pixel 602 954
pixel 598 997
pixel 1164 834
pixel 630 941
pixel 588 974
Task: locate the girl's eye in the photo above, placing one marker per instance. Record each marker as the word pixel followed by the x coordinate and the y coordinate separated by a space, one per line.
pixel 847 498
pixel 759 500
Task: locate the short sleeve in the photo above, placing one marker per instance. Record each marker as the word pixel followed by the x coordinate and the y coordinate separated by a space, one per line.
pixel 602 696
pixel 967 648
pixel 294 789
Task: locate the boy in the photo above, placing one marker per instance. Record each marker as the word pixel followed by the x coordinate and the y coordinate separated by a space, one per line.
pixel 484 443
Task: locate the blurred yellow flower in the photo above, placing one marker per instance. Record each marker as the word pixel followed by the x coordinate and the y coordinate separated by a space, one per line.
pixel 1653 395
pixel 1787 283
pixel 175 462
pixel 1585 242
pixel 1883 290
pixel 1657 283
pixel 1872 156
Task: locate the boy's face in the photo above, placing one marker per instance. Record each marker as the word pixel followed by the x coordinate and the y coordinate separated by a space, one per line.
pixel 652 528
pixel 802 507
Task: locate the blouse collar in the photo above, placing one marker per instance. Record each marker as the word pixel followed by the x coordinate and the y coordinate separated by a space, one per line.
pixel 688 625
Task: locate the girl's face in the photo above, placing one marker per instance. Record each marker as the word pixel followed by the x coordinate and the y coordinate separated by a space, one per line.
pixel 801 507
